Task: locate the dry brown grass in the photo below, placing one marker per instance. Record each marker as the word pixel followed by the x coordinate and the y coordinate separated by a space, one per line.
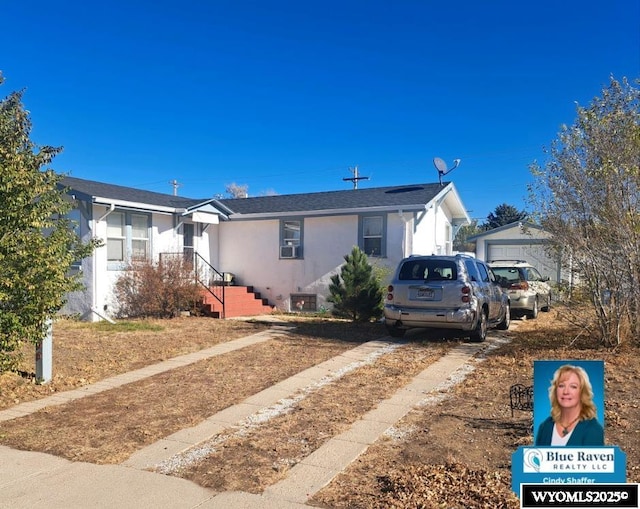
pixel 84 353
pixel 465 440
pixel 468 439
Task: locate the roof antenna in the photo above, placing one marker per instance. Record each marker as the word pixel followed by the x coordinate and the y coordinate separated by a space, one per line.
pixel 355 177
pixel 441 166
pixel 175 185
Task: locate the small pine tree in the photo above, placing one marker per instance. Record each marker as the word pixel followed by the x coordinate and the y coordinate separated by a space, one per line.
pixel 355 292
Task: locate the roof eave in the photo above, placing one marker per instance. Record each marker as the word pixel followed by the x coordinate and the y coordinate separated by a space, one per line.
pixel 326 212
pixel 137 205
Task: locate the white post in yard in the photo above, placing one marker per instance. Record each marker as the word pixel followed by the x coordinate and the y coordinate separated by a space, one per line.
pixel 44 356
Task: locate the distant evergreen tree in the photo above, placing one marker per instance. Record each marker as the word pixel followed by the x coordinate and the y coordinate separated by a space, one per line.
pixel 356 292
pixel 502 215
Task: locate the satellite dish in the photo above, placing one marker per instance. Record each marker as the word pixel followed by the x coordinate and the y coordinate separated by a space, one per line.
pixel 441 166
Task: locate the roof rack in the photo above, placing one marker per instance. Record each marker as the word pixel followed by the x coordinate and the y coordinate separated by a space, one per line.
pixel 510 261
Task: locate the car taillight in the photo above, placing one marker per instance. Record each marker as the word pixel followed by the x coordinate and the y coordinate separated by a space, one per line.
pixel 522 285
pixel 466 294
pixel 390 292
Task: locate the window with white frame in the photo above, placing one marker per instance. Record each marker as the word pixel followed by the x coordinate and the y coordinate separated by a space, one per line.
pixel 291 235
pixel 116 237
pixel 372 235
pixel 139 236
pixel 127 236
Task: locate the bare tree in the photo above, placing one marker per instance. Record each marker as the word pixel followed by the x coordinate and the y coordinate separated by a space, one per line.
pixel 587 195
pixel 234 190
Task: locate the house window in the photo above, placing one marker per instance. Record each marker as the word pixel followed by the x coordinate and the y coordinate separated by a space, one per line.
pixel 304 302
pixel 291 238
pixel 139 236
pixel 116 237
pixel 127 236
pixel 372 235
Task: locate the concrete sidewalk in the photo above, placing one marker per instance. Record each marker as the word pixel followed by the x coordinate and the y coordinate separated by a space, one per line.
pixel 29 479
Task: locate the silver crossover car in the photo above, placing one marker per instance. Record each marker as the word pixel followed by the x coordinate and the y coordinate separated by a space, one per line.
pixel 445 292
pixel 528 290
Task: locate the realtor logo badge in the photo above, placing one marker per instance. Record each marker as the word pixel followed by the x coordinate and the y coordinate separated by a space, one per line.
pixel 554 460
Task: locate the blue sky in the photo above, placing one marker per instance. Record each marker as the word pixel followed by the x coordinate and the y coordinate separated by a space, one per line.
pixel 287 96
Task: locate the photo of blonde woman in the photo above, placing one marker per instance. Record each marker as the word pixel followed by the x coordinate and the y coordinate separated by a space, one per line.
pixel 573 417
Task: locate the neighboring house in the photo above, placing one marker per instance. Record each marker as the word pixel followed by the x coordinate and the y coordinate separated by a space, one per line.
pixel 519 241
pixel 287 247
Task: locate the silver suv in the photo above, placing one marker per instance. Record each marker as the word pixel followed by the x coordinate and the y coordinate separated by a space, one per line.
pixel 528 290
pixel 445 292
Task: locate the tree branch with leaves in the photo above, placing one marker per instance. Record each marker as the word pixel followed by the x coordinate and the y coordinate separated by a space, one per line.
pixel 38 244
pixel 587 196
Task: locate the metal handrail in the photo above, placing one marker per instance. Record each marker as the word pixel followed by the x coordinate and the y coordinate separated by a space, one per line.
pixel 210 278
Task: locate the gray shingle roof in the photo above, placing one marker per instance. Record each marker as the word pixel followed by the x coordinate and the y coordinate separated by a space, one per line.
pixel 91 188
pixel 409 196
pixel 392 197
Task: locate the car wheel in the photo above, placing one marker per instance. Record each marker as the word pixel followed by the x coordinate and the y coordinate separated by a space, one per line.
pixel 395 332
pixel 547 306
pixel 504 324
pixel 480 332
pixel 534 311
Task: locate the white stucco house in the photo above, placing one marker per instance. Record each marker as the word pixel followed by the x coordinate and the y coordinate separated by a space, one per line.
pixel 519 241
pixel 285 247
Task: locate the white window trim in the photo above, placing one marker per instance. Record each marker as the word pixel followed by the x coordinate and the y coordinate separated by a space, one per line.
pixel 383 236
pixel 129 238
pixel 297 243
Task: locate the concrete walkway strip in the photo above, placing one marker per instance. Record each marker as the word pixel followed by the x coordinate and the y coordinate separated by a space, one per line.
pixel 61 398
pixel 320 467
pixel 186 446
pixel 29 479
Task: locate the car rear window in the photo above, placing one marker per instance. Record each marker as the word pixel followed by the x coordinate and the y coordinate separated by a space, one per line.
pixel 428 270
pixel 507 274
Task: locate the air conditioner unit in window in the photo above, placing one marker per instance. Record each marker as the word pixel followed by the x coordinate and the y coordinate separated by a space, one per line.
pixel 288 251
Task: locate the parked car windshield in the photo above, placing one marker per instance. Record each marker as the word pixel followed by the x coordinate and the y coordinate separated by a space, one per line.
pixel 428 270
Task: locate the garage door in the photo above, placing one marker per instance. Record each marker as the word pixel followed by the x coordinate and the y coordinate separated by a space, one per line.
pixel 531 253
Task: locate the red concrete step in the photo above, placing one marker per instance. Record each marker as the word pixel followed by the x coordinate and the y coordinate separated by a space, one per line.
pixel 239 301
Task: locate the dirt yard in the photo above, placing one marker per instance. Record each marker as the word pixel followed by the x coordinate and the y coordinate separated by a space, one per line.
pixel 465 437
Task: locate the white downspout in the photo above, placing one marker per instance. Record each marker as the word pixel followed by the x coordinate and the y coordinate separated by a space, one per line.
pixel 404 233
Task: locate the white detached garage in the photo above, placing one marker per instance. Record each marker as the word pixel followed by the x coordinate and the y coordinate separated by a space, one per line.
pixel 519 241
